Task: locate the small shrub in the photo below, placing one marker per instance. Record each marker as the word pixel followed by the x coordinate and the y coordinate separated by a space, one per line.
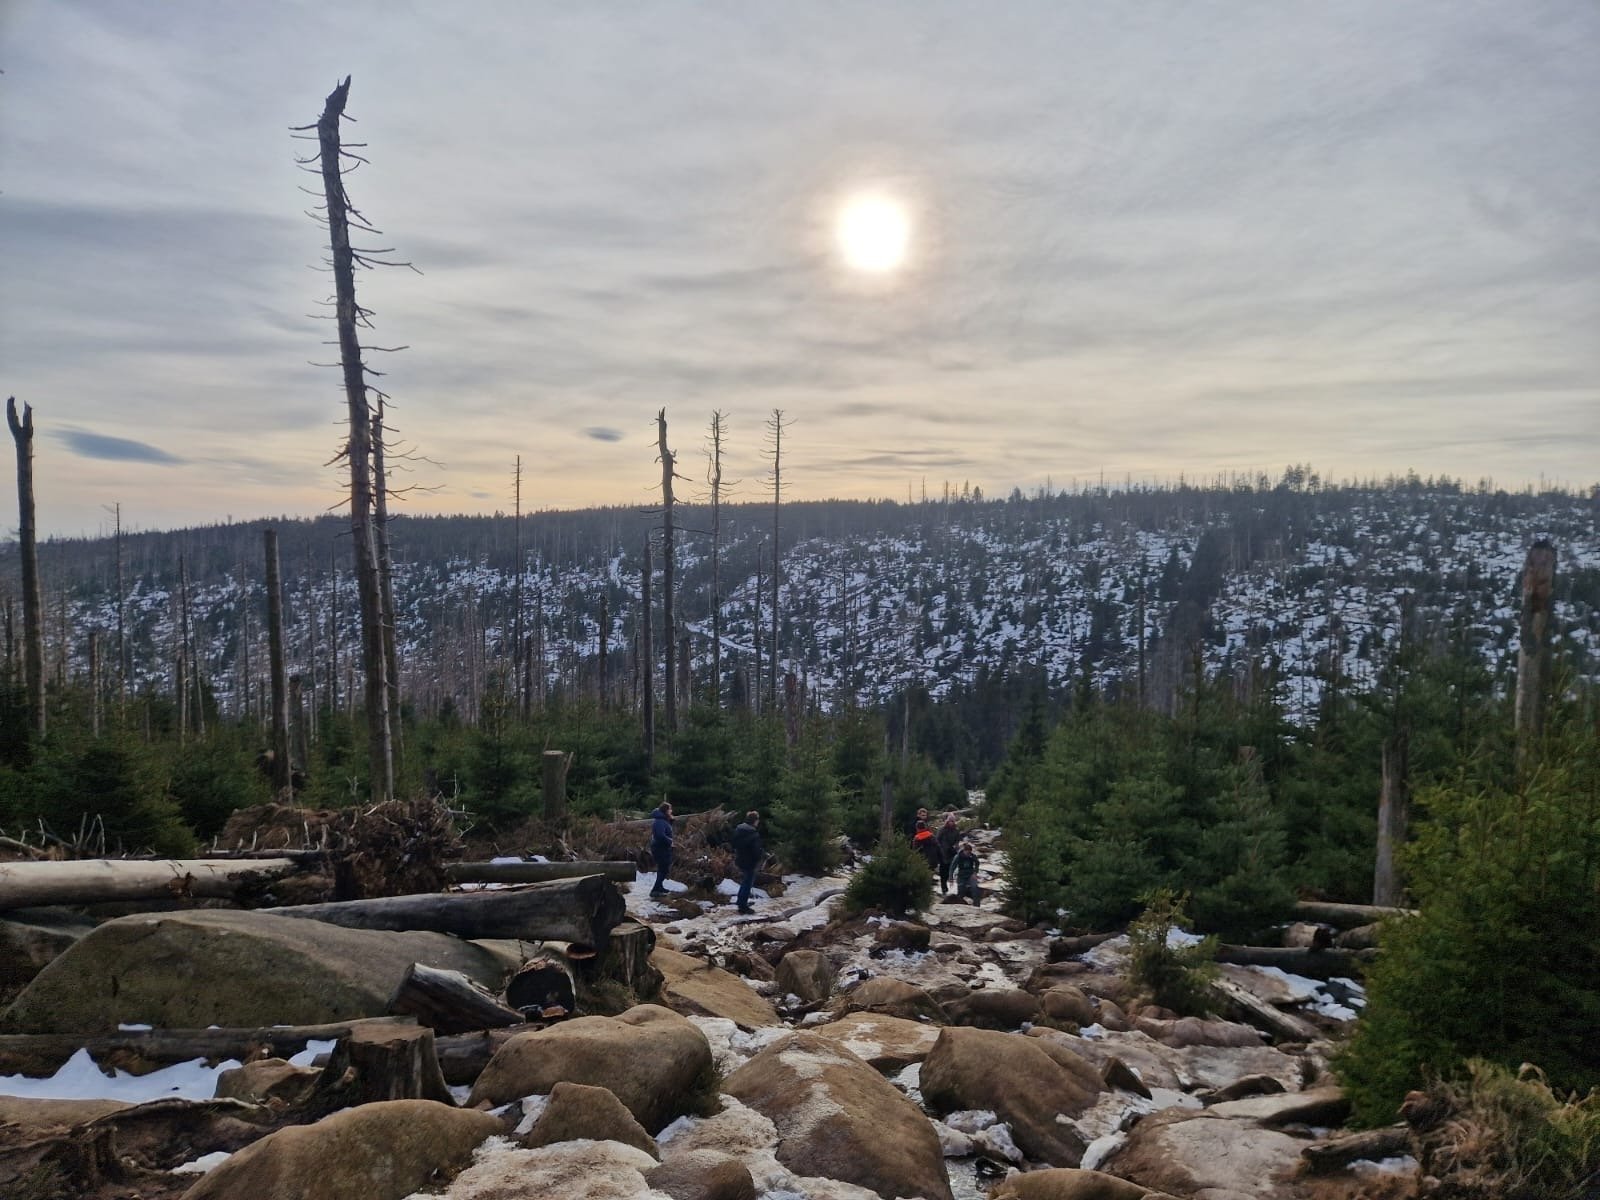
pixel 897 881
pixel 1176 976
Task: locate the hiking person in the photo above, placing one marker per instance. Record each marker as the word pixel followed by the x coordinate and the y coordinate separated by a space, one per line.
pixel 949 837
pixel 966 868
pixel 748 855
pixel 661 845
pixel 917 822
pixel 927 845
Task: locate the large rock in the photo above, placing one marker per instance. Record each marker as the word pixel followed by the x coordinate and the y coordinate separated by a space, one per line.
pixel 892 997
pixel 31 939
pixel 1027 1081
pixel 807 974
pixel 838 1118
pixel 577 1110
pixel 695 987
pixel 885 1043
pixel 212 967
pixel 1068 1004
pixel 1316 1106
pixel 994 1008
pixel 1181 1068
pixel 1068 1183
pixel 266 1080
pixel 1198 1031
pixel 1200 1154
pixel 374 1152
pixel 584 1170
pixel 703 1175
pixel 653 1060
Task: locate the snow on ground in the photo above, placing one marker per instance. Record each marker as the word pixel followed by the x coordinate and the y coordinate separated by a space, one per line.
pixel 81 1079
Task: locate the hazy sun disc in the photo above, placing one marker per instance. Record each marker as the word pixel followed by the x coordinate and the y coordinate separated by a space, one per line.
pixel 874 233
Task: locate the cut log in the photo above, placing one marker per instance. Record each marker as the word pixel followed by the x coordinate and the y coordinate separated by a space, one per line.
pixel 463 1056
pixel 384 1062
pixel 571 910
pixel 90 881
pixel 1362 937
pixel 532 872
pixel 448 1002
pixel 1240 1005
pixel 1347 916
pixel 1304 935
pixel 140 1051
pixel 542 985
pixel 1324 1158
pixel 1317 964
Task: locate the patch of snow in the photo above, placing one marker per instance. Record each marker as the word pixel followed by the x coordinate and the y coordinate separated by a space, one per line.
pixel 315 1048
pixel 134 1027
pixel 79 1078
pixel 532 1109
pixel 1100 1149
pixel 204 1163
pixel 1402 1164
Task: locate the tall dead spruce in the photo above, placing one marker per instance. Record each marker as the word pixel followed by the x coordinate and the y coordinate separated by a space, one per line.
pixel 332 161
pixel 27 537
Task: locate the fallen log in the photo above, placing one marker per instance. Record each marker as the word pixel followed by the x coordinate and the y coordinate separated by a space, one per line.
pixel 1362 937
pixel 140 1051
pixel 1240 1005
pixel 532 872
pixel 1324 1158
pixel 1316 964
pixel 448 1002
pixel 1347 916
pixel 572 910
pixel 98 880
pixel 1307 936
pixel 1062 948
pixel 463 1056
pixel 543 988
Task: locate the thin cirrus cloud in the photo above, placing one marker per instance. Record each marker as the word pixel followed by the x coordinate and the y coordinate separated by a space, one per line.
pixel 115 449
pixel 603 433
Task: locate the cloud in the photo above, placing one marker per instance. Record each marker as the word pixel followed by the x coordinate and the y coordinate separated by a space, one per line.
pixel 115 449
pixel 603 433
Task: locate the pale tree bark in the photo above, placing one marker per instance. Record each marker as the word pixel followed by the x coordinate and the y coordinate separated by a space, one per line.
pixel 716 559
pixel 668 627
pixel 391 655
pixel 359 449
pixel 776 426
pixel 281 786
pixel 1533 652
pixel 1394 804
pixel 605 638
pixel 27 538
pixel 647 674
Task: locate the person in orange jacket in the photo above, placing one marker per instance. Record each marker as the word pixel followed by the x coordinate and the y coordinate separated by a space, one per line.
pixel 927 845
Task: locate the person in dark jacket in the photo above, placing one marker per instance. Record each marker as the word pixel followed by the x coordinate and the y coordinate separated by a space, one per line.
pixel 661 845
pixel 748 855
pixel 927 845
pixel 949 836
pixel 917 822
pixel 966 868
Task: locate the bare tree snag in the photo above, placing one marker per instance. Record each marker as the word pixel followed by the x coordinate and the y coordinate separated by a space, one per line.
pixel 668 627
pixel 775 425
pixel 1394 807
pixel 391 655
pixel 605 637
pixel 647 671
pixel 1533 651
pixel 716 559
pixel 359 448
pixel 553 782
pixel 27 540
pixel 281 788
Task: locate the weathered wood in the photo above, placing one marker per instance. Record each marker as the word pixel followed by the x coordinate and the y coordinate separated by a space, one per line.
pixel 1362 937
pixel 1307 936
pixel 1533 648
pixel 98 880
pixel 1316 964
pixel 27 543
pixel 31 853
pixel 1062 948
pixel 543 985
pixel 1347 916
pixel 532 872
pixel 448 1002
pixel 572 910
pixel 1394 816
pixel 1334 1154
pixel 554 765
pixel 1240 1005
pixel 138 1051
pixel 281 790
pixel 463 1056
pixel 390 1062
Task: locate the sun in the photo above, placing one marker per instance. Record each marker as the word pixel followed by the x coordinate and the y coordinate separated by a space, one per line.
pixel 873 232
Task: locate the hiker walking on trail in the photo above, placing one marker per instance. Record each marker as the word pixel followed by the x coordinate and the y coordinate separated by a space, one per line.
pixel 949 837
pixel 661 836
pixel 926 844
pixel 966 868
pixel 748 855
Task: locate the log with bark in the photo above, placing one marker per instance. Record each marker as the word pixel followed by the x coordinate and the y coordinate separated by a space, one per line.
pixel 532 872
pixel 448 1002
pixel 1305 935
pixel 98 880
pixel 1347 916
pixel 544 988
pixel 463 1056
pixel 1362 937
pixel 141 1051
pixel 1316 964
pixel 574 910
pixel 381 1062
pixel 1241 1005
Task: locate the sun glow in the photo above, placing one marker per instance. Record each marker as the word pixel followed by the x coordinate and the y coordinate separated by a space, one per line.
pixel 874 233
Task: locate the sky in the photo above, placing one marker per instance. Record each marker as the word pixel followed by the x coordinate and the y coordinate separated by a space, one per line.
pixel 1145 239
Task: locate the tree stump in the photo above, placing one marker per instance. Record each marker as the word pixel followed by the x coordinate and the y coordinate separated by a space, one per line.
pixel 375 1063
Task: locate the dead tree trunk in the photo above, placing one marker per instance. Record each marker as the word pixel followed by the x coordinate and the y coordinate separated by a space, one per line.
pixel 716 559
pixel 605 636
pixel 1533 653
pixel 668 628
pixel 94 682
pixel 123 666
pixel 281 789
pixel 776 425
pixel 359 449
pixel 1394 806
pixel 27 541
pixel 647 674
pixel 555 766
pixel 391 655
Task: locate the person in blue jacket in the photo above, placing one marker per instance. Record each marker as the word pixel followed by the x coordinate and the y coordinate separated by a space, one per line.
pixel 748 855
pixel 661 845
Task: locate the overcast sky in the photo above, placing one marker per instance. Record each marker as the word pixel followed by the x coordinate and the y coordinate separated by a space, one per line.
pixel 1147 238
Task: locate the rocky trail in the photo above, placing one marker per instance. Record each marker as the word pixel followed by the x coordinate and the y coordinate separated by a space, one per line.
pixel 714 1056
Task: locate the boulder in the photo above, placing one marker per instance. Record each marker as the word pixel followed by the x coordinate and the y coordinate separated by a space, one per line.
pixel 150 968
pixel 1197 1031
pixel 1053 974
pixel 267 1080
pixel 694 986
pixel 654 1061
pixel 1156 1065
pixel 1028 1081
pixel 903 935
pixel 1119 1076
pixel 31 939
pixel 583 1170
pixel 1317 1106
pixel 838 1118
pixel 750 965
pixel 892 997
pixel 884 1043
pixel 807 974
pixel 381 1151
pixel 1068 1183
pixel 703 1175
pixel 25 1118
pixel 1186 1153
pixel 1068 1004
pixel 577 1110
pixel 994 1008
